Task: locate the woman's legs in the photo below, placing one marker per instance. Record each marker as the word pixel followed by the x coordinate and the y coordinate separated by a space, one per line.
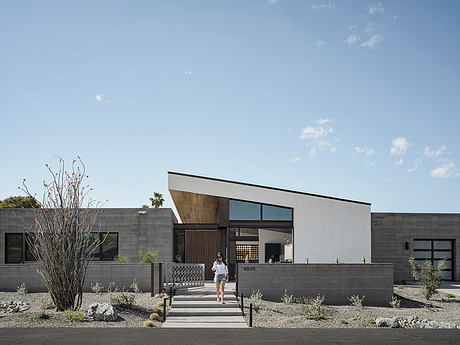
pixel 222 287
pixel 217 290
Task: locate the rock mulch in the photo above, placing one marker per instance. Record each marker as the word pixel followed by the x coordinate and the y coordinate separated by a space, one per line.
pixel 415 312
pixel 143 307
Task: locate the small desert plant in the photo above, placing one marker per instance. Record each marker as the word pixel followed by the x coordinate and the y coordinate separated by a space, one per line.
pixel 123 301
pixel 306 260
pixel 97 288
pixel 314 309
pixel 400 287
pixel 150 256
pixel 148 323
pixel 111 287
pixel 370 321
pixel 363 260
pixel 428 276
pixel 395 302
pixel 47 303
pixel 449 295
pixel 121 259
pixel 257 295
pixel 336 260
pixel 160 304
pixel 75 315
pixel 135 286
pixel 21 289
pixel 43 315
pixel 356 301
pixel 344 322
pixel 154 316
pixel 157 310
pixel 287 299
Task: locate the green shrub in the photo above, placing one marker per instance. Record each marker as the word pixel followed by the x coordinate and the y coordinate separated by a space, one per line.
pixel 21 289
pixel 257 295
pixel 123 300
pixel 43 315
pixel 75 315
pixel 336 260
pixel 449 295
pixel 370 321
pixel 344 322
pixel 135 286
pixel 400 287
pixel 148 323
pixel 120 259
pixel 47 303
pixel 313 308
pixel 149 257
pixel 363 260
pixel 287 299
pixel 395 302
pixel 428 276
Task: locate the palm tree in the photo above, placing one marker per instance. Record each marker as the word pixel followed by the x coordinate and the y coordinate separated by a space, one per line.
pixel 157 200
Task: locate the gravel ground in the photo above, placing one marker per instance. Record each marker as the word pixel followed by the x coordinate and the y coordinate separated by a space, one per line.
pixel 281 315
pixel 134 317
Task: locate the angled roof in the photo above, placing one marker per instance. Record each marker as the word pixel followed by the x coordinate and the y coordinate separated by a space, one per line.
pixel 271 188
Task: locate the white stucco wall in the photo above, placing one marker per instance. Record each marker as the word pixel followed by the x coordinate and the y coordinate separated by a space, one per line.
pixel 323 228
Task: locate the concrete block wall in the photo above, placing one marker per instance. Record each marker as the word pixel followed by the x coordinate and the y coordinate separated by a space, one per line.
pixel 12 275
pixel 391 231
pixel 337 282
pixel 151 231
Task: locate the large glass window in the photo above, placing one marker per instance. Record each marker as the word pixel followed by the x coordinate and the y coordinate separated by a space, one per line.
pixel 107 250
pixel 14 245
pixel 243 210
pixel 276 213
pixel 28 253
pixel 434 251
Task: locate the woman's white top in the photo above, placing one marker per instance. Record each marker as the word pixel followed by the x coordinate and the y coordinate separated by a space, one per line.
pixel 220 268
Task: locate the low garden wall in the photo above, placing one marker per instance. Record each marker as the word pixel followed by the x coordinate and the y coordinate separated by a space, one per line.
pixel 12 275
pixel 337 282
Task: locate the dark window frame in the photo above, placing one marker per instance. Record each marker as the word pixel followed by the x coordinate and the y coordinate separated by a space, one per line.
pixel 98 250
pixel 432 251
pixel 6 247
pixel 261 219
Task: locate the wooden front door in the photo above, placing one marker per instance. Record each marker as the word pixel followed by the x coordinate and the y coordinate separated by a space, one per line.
pixel 202 247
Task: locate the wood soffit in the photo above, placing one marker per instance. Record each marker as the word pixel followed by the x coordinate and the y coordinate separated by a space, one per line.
pixel 195 208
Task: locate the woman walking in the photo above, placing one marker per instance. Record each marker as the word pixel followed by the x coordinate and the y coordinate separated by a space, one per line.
pixel 220 276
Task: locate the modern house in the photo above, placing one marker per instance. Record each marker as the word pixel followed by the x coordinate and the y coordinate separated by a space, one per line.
pixel 252 223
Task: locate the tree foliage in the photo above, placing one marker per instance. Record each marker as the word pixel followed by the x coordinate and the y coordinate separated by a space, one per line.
pixel 428 276
pixel 157 200
pixel 19 202
pixel 60 235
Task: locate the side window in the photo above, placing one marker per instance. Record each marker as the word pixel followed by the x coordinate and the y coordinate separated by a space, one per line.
pixel 13 247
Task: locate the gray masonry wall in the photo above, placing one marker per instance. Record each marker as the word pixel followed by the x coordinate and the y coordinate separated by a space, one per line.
pixel 151 231
pixel 12 275
pixel 337 282
pixel 390 232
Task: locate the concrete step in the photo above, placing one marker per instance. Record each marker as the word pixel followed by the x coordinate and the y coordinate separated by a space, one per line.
pixel 204 325
pixel 202 293
pixel 177 299
pixel 205 304
pixel 193 312
pixel 203 319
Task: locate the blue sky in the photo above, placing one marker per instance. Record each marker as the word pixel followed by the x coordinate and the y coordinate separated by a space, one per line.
pixel 355 99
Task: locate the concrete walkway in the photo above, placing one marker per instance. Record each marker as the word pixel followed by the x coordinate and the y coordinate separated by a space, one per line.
pixel 197 308
pixel 451 287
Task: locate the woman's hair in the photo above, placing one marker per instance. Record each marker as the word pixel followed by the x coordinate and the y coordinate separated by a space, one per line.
pixel 222 256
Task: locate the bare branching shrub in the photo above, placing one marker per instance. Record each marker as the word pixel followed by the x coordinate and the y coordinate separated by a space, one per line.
pixel 21 289
pixel 428 276
pixel 356 301
pixel 287 299
pixel 257 295
pixel 135 286
pixel 313 308
pixel 60 235
pixel 123 300
pixel 97 288
pixel 395 302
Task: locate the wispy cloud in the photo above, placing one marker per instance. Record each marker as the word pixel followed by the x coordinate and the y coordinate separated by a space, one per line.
pixel 319 136
pixel 98 98
pixel 351 40
pixel 188 72
pixel 376 9
pixel 416 165
pixel 400 161
pixel 446 170
pixel 395 17
pixel 400 146
pixel 296 158
pixel 368 28
pixel 371 42
pixel 321 43
pixel 272 2
pixel 364 149
pixel 321 7
pixel 434 153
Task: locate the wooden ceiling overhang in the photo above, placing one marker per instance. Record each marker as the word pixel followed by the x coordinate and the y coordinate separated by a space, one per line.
pixel 195 208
